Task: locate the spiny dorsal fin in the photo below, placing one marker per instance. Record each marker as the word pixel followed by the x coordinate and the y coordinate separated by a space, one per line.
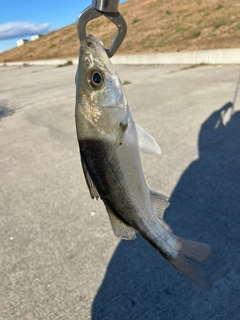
pixel 92 189
pixel 146 142
pixel 120 229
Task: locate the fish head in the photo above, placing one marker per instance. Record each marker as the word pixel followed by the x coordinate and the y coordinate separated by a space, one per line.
pixel 100 99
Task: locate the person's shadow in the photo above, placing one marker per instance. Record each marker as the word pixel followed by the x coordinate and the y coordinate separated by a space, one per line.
pixel 205 207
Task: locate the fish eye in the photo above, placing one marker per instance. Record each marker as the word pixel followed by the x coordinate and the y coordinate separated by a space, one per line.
pixel 95 79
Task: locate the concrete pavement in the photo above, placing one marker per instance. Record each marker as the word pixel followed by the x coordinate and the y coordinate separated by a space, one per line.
pixel 59 257
pixel 213 56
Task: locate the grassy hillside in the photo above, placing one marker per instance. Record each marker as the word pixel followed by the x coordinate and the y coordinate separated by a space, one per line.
pixel 153 26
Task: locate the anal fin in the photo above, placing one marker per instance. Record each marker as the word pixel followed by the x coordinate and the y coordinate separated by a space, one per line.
pixel 120 229
pixel 160 203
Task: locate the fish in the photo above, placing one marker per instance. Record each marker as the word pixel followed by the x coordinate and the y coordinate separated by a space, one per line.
pixel 110 143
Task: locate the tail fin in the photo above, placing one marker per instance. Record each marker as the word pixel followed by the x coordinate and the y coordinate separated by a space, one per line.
pixel 190 256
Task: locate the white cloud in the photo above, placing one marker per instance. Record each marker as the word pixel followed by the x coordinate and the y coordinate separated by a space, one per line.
pixel 12 30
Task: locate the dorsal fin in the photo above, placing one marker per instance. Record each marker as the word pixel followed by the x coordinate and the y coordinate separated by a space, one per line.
pixel 120 229
pixel 92 189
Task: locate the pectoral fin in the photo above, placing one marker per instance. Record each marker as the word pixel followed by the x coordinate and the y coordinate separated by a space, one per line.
pixel 120 229
pixel 122 130
pixel 146 142
pixel 92 189
pixel 120 137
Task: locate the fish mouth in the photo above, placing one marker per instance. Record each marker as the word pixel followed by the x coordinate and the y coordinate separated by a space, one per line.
pixel 93 42
pixel 90 44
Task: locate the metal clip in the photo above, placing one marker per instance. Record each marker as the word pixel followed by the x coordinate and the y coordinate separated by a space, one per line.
pixel 106 5
pixel 91 13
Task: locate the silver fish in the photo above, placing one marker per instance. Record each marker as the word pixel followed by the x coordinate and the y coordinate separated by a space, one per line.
pixel 109 142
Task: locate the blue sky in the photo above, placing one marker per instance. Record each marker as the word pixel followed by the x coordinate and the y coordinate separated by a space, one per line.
pixel 23 18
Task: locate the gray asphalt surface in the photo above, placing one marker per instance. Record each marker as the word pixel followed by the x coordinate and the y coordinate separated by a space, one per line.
pixel 59 257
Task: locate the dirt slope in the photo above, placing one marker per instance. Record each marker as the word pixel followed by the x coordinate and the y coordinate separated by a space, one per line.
pixel 153 26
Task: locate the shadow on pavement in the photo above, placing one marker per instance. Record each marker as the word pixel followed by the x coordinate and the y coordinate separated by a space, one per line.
pixel 5 111
pixel 205 206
